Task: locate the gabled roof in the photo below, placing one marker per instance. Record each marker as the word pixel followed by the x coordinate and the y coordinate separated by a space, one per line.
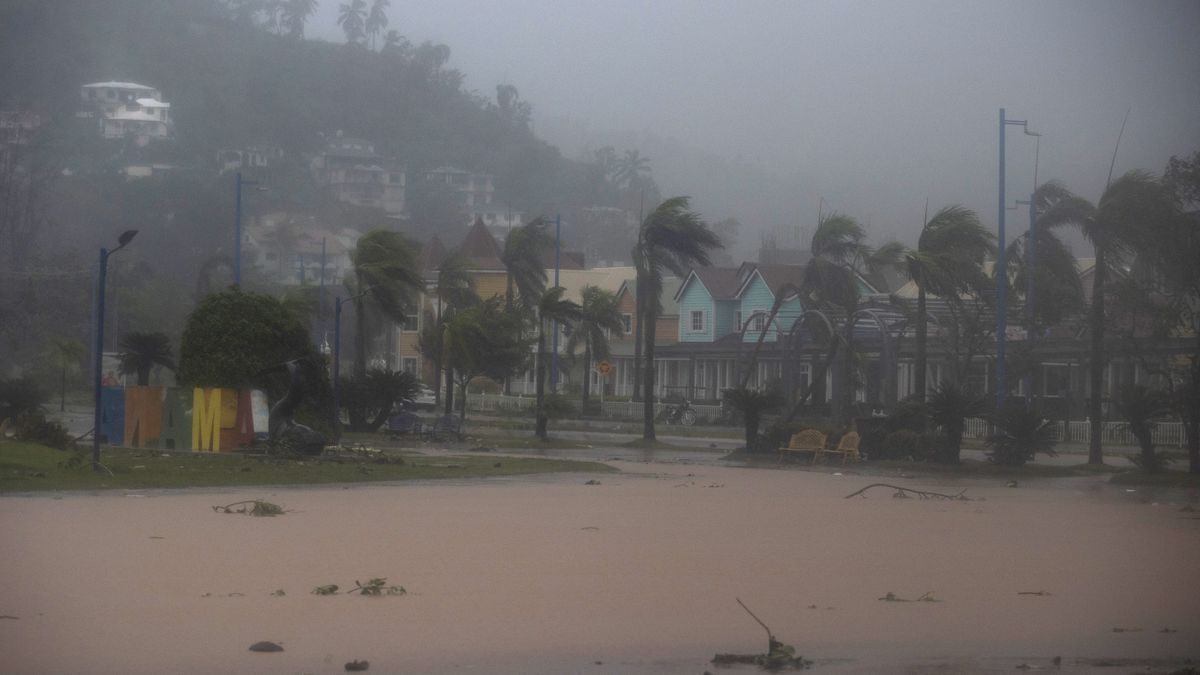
pixel 774 276
pixel 670 289
pixel 720 282
pixel 480 249
pixel 432 255
pixel 605 278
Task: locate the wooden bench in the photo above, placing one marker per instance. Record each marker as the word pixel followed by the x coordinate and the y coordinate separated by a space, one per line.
pixel 809 440
pixel 444 426
pixel 847 448
pixel 403 424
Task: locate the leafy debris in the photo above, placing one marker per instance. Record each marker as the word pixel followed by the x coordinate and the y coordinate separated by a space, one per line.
pixel 252 507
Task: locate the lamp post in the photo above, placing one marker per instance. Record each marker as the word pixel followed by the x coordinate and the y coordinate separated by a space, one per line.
pixel 98 365
pixel 337 359
pixel 554 324
pixel 237 229
pixel 1001 271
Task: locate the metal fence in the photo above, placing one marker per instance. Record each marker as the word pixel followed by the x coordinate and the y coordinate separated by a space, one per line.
pixel 1167 434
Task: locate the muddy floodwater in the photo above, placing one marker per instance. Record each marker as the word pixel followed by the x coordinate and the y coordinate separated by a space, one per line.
pixel 637 574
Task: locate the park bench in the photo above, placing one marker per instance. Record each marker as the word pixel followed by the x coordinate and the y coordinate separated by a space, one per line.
pixel 808 440
pixel 445 426
pixel 847 448
pixel 403 424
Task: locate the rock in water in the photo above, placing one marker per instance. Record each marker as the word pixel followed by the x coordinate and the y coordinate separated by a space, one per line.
pixel 265 646
pixel 357 666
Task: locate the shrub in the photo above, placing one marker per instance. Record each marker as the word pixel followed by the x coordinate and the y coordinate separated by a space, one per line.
pixel 33 426
pixel 949 407
pixel 20 395
pixel 909 414
pixel 1020 434
pixel 900 444
pixel 556 406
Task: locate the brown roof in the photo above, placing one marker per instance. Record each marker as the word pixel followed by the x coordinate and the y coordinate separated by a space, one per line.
pixel 722 282
pixel 567 260
pixel 480 249
pixel 432 254
pixel 776 276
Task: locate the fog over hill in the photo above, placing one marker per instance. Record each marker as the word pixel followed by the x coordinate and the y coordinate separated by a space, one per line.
pixel 763 110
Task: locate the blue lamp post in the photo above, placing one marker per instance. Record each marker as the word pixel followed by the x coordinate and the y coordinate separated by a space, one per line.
pixel 337 359
pixel 1001 272
pixel 98 365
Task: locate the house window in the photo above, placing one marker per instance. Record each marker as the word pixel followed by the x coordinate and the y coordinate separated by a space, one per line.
pixel 697 321
pixel 760 321
pixel 409 364
pixel 1056 379
pixel 627 323
pixel 738 320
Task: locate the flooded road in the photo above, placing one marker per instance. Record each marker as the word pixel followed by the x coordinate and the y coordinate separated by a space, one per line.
pixel 638 572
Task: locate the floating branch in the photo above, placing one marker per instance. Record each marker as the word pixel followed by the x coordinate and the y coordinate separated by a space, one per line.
pixel 251 507
pixel 904 492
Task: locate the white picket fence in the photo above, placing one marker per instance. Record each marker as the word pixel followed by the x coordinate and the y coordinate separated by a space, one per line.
pixel 612 409
pixel 1165 434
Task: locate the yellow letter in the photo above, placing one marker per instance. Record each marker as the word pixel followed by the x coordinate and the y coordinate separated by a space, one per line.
pixel 206 420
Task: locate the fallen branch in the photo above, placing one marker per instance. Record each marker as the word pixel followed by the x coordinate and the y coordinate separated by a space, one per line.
pixel 252 507
pixel 778 656
pixel 902 491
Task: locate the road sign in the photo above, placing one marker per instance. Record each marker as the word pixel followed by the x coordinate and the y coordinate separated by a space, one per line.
pixel 604 367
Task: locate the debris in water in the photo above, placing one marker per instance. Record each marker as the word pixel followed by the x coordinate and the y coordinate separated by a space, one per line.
pixel 356 666
pixel 265 646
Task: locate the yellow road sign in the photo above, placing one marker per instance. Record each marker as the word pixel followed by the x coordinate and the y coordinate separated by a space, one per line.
pixel 604 367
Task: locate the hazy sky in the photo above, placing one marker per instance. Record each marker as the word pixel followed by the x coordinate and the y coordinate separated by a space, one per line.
pixel 874 106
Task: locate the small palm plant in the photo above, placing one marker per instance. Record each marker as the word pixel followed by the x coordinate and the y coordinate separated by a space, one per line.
pixel 949 407
pixel 1140 407
pixel 1019 435
pixel 752 403
pixel 142 351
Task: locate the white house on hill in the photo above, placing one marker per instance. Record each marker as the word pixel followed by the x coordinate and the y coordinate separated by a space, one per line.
pixel 127 110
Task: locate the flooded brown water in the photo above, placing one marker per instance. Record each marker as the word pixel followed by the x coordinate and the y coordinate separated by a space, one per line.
pixel 638 574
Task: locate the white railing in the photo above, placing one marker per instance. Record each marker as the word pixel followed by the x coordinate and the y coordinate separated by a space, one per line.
pixel 611 409
pixel 1165 434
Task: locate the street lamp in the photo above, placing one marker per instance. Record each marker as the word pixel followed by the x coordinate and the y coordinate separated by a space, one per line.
pixel 237 229
pixel 98 365
pixel 1001 271
pixel 337 358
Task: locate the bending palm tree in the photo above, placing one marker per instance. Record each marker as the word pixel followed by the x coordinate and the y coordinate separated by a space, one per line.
pixel 142 351
pixel 455 291
pixel 351 17
pixel 599 312
pixel 1111 225
pixel 522 258
pixel 674 239
pixel 552 310
pixel 386 272
pixel 295 15
pixel 947 262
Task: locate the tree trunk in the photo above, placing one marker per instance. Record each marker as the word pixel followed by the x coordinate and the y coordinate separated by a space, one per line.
pixel 637 339
pixel 1096 367
pixel 587 375
pixel 922 356
pixel 818 375
pixel 540 386
pixel 449 390
pixel 62 390
pixel 360 338
pixel 508 308
pixel 648 388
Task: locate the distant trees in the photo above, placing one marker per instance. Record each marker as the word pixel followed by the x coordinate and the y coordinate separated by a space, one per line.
pixel 599 317
pixel 552 309
pixel 386 275
pixel 352 18
pixel 376 20
pixel 295 14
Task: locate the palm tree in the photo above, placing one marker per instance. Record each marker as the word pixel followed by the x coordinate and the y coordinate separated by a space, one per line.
pixel 949 406
pixel 352 19
pixel 386 272
pixel 552 310
pixel 296 14
pixel 630 167
pixel 1112 226
pixel 599 313
pixel 69 351
pixel 830 283
pixel 522 258
pixel 947 262
pixel 674 239
pixel 142 351
pixel 455 291
pixel 377 20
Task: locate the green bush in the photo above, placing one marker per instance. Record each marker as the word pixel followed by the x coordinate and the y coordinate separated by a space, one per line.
pixel 900 444
pixel 32 426
pixel 20 395
pixel 909 414
pixel 556 407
